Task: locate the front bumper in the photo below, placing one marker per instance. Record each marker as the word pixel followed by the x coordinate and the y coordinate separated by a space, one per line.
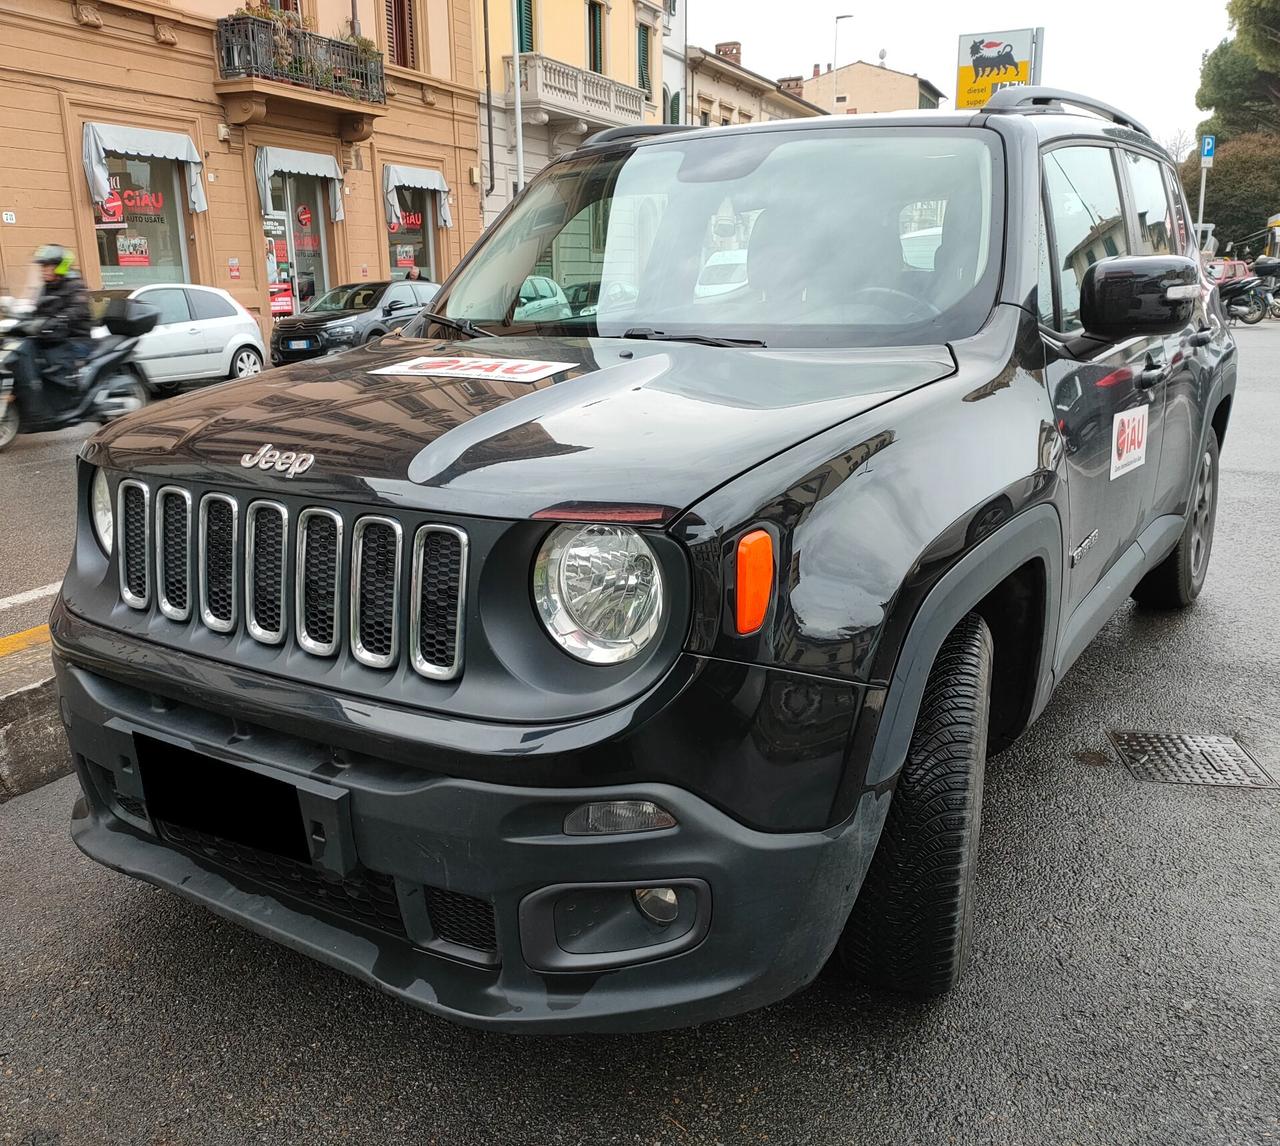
pixel 769 906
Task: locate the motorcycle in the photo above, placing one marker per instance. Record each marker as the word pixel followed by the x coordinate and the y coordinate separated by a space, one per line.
pixel 1244 299
pixel 107 388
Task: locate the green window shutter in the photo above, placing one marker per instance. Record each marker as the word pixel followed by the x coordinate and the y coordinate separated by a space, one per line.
pixel 642 57
pixel 526 25
pixel 675 108
pixel 595 19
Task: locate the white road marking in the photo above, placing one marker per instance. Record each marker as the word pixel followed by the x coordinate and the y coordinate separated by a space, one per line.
pixel 29 596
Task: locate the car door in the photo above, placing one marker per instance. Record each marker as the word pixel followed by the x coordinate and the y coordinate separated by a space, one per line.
pixel 173 348
pixel 217 321
pixel 398 305
pixel 1107 410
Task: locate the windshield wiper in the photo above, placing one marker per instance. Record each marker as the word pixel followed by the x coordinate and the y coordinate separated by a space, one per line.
pixel 647 334
pixel 462 325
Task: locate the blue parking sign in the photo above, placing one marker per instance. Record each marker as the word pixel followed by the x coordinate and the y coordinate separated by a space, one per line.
pixel 1206 146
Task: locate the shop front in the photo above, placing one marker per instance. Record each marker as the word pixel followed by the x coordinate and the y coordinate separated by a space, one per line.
pixel 143 184
pixel 301 194
pixel 417 204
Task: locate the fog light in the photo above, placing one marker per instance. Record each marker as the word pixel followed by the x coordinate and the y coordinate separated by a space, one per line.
pixel 608 817
pixel 658 904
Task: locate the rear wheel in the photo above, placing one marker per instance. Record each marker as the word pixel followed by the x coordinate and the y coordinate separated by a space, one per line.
pixel 1256 313
pixel 245 363
pixel 1176 582
pixel 8 423
pixel 909 930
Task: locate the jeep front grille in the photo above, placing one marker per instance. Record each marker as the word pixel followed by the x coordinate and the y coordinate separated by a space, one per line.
pixel 287 578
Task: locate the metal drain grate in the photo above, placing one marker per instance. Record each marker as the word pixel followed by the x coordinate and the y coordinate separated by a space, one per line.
pixel 1170 759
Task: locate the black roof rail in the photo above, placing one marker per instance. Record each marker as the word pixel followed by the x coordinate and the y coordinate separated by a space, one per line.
pixel 635 131
pixel 1028 98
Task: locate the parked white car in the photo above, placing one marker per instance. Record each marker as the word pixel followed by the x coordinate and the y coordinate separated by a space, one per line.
pixel 541 300
pixel 203 334
pixel 723 273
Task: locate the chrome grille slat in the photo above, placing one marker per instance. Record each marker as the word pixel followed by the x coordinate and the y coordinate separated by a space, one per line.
pixel 173 552
pixel 437 596
pixel 266 599
pixel 133 542
pixel 375 591
pixel 317 584
pixel 218 561
pixel 184 551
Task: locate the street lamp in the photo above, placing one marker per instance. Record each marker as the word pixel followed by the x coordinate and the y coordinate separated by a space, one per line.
pixel 835 59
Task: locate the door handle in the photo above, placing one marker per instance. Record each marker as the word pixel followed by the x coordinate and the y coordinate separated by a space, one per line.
pixel 1152 376
pixel 1201 337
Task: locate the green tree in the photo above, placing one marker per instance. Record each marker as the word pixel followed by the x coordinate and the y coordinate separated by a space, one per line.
pixel 1257 25
pixel 1243 187
pixel 1238 92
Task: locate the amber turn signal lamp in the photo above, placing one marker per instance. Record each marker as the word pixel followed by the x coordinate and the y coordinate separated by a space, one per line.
pixel 755 579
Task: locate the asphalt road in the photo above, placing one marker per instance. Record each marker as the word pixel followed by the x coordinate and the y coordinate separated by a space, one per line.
pixel 37 494
pixel 1125 987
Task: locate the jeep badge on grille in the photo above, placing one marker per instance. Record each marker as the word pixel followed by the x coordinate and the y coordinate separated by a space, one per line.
pixel 286 462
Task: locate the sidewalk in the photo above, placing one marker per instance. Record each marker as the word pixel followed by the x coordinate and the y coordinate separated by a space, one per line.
pixel 33 748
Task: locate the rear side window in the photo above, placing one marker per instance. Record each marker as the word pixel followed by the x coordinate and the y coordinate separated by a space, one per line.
pixel 425 292
pixel 171 302
pixel 1150 204
pixel 206 304
pixel 1084 218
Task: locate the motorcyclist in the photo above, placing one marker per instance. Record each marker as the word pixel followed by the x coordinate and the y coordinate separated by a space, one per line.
pixel 65 326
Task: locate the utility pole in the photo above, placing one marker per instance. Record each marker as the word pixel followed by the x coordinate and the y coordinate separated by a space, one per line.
pixel 515 60
pixel 835 60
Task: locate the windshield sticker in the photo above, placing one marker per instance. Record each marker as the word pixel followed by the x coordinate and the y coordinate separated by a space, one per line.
pixel 503 369
pixel 1128 441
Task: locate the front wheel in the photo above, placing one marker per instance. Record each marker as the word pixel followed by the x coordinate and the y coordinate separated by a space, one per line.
pixel 909 929
pixel 8 422
pixel 246 363
pixel 1256 313
pixel 1176 582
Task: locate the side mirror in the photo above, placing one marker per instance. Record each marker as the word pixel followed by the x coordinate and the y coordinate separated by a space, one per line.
pixel 1138 294
pixel 395 305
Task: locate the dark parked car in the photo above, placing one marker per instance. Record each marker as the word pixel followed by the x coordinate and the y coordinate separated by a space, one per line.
pixel 616 671
pixel 348 316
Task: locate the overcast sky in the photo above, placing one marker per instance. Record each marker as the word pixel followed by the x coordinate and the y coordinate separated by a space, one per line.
pixel 1144 58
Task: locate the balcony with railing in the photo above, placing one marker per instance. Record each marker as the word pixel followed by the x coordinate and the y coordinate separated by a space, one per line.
pixel 559 91
pixel 252 47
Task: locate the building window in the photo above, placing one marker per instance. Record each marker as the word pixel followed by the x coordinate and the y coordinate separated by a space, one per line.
pixel 595 36
pixel 643 79
pixel 140 228
pixel 675 108
pixel 927 100
pixel 400 33
pixel 704 118
pixel 843 99
pixel 525 13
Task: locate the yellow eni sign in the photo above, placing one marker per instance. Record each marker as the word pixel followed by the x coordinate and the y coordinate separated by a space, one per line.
pixel 989 61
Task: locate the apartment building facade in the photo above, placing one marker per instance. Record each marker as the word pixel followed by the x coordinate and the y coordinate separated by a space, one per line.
pixel 585 65
pixel 274 151
pixel 722 92
pixel 861 87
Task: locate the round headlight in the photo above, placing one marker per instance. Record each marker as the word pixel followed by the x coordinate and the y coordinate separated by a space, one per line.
pixel 598 589
pixel 104 520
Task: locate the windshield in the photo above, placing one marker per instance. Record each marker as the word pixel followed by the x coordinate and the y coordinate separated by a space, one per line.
pixel 359 297
pixel 868 236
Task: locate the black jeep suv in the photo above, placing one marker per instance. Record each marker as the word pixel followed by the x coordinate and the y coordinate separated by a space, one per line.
pixel 613 671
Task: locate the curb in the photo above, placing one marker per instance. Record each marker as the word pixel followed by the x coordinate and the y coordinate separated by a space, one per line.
pixel 33 746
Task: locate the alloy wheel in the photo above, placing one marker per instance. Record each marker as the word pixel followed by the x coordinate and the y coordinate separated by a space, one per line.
pixel 1202 514
pixel 246 364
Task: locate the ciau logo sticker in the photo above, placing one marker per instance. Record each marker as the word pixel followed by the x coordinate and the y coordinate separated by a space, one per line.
pixel 1128 441
pixel 502 369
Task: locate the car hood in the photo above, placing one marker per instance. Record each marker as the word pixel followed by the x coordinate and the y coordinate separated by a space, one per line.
pixel 618 422
pixel 312 319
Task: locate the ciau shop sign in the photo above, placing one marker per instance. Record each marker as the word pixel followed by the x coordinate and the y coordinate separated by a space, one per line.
pixel 412 221
pixel 130 205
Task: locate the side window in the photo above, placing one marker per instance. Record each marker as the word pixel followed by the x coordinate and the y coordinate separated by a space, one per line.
pixel 1084 208
pixel 400 293
pixel 424 292
pixel 1150 204
pixel 171 302
pixel 206 304
pixel 1045 285
pixel 1186 237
